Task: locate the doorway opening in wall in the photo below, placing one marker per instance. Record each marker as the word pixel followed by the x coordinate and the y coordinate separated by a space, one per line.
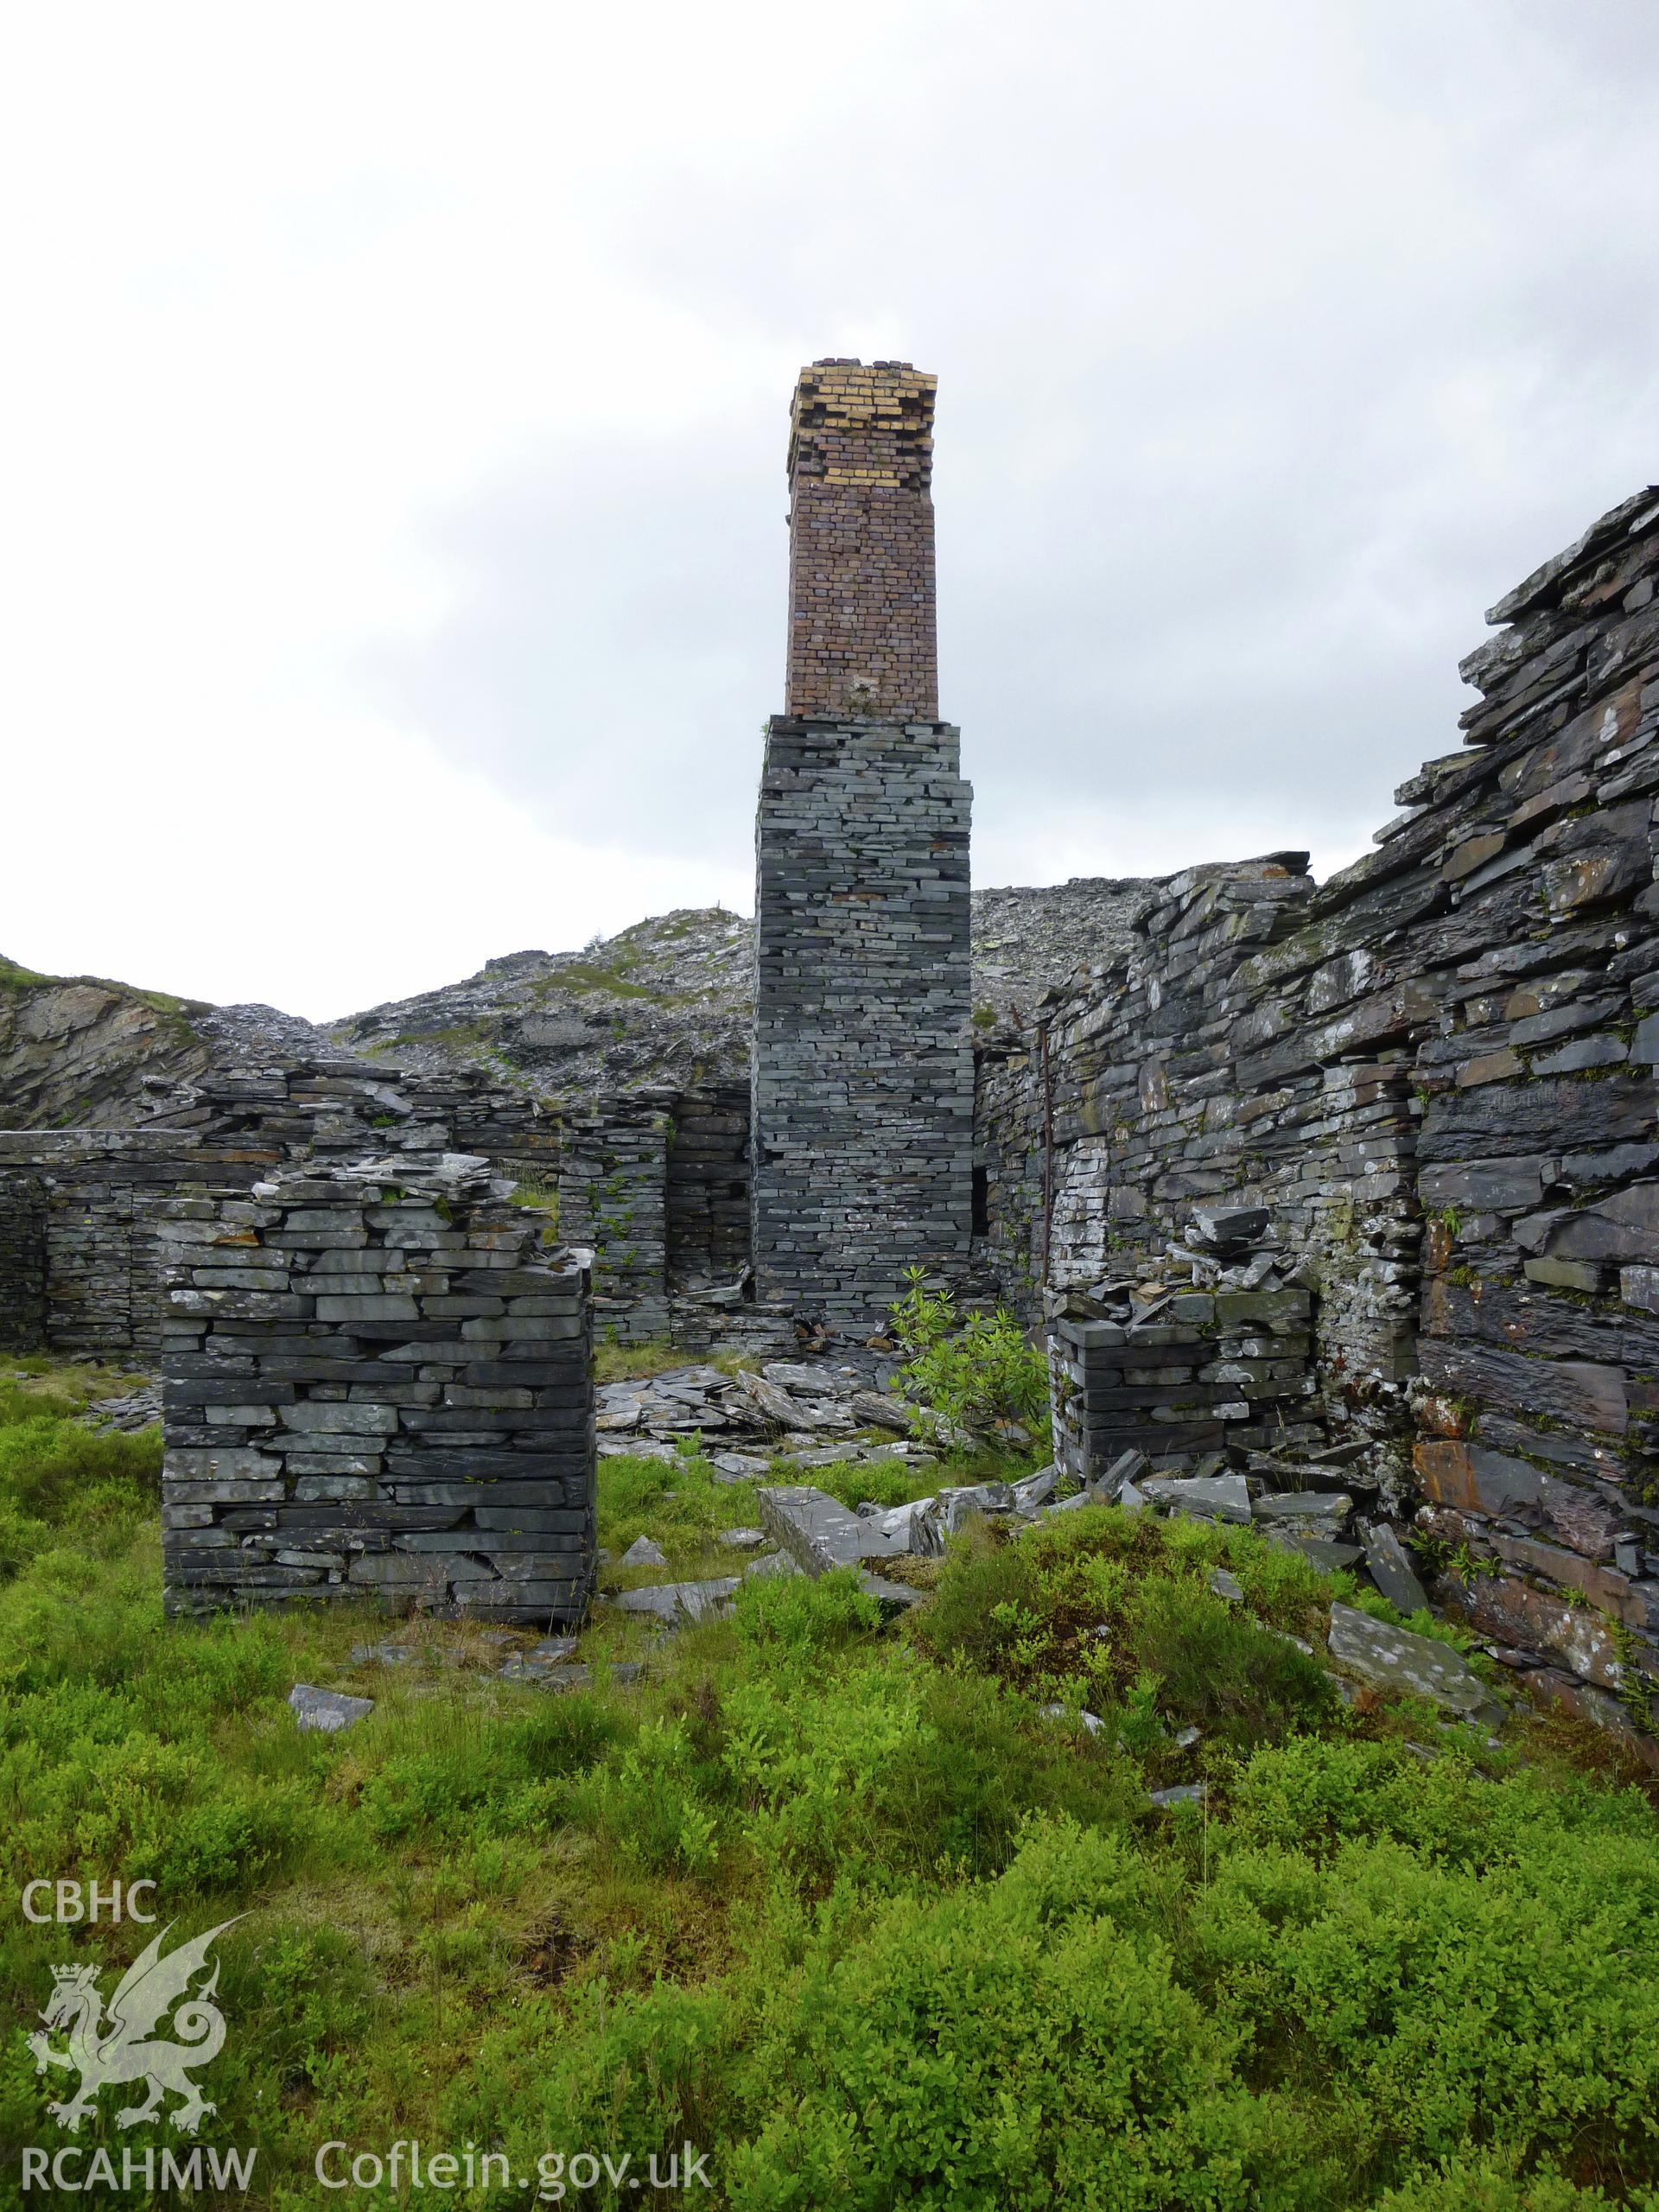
pixel 982 1202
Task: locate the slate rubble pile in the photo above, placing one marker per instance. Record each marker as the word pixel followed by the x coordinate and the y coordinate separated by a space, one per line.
pixel 807 1412
pixel 376 1378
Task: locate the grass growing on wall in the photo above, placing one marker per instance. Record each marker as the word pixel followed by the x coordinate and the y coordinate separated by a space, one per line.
pixel 839 1904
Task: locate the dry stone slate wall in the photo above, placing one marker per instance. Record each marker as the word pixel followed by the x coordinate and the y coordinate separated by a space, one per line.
pixel 1436 1074
pixel 376 1377
pixel 82 1210
pixel 22 1260
pixel 863 1090
pixel 708 1194
pixel 614 1200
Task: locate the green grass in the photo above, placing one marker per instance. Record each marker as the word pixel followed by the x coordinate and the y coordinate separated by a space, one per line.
pixel 838 1903
pixel 621 1363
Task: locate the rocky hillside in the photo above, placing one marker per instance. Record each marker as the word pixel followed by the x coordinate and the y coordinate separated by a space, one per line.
pixel 82 1051
pixel 74 1049
pixel 667 1000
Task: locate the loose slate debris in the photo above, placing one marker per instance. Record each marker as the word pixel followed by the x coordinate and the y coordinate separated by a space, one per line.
pixel 809 1410
pixel 328 1711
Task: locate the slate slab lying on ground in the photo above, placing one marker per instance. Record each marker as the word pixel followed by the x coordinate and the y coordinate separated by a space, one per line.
pixel 818 1532
pixel 1391 1569
pixel 328 1710
pixel 892 1597
pixel 1398 1659
pixel 1318 1551
pixel 674 1602
pixel 576 1676
pixel 1205 1497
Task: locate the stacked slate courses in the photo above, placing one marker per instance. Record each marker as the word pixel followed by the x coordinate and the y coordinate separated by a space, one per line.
pixel 863 1089
pixel 376 1378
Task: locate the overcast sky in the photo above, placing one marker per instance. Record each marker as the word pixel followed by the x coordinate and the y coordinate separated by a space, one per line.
pixel 394 405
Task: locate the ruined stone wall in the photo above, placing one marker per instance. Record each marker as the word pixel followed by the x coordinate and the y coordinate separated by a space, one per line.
pixel 1436 1071
pixel 708 1194
pixel 87 1207
pixel 1524 881
pixel 862 630
pixel 863 1072
pixel 82 1210
pixel 1163 1084
pixel 376 1377
pixel 614 1200
pixel 22 1260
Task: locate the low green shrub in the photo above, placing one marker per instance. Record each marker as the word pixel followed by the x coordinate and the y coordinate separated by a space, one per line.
pixel 976 1372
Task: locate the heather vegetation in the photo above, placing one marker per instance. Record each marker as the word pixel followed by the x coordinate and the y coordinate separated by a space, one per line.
pixel 871 1914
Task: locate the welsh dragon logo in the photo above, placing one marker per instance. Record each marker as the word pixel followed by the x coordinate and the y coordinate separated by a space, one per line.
pixel 124 2048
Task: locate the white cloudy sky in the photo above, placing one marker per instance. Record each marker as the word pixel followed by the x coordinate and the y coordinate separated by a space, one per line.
pixel 392 415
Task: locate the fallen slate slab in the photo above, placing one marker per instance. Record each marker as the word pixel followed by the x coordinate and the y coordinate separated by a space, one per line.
pixel 1072 1504
pixel 1128 1467
pixel 805 1380
pixel 1227 1585
pixel 1182 1793
pixel 1318 1551
pixel 819 1455
pixel 1032 1490
pixel 1398 1659
pixel 1201 1497
pixel 1390 1568
pixel 743 1540
pixel 384 1655
pixel 949 1512
pixel 818 1532
pixel 1319 1512
pixel 677 1602
pixel 738 1466
pixel 897 1523
pixel 892 1597
pixel 328 1710
pixel 771 1563
pixel 645 1551
pixel 578 1677
pixel 875 1410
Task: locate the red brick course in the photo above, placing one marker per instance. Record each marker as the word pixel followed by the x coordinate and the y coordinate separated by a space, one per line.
pixel 861 627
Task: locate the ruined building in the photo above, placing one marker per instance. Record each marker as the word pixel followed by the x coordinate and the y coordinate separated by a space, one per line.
pixel 1366 1171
